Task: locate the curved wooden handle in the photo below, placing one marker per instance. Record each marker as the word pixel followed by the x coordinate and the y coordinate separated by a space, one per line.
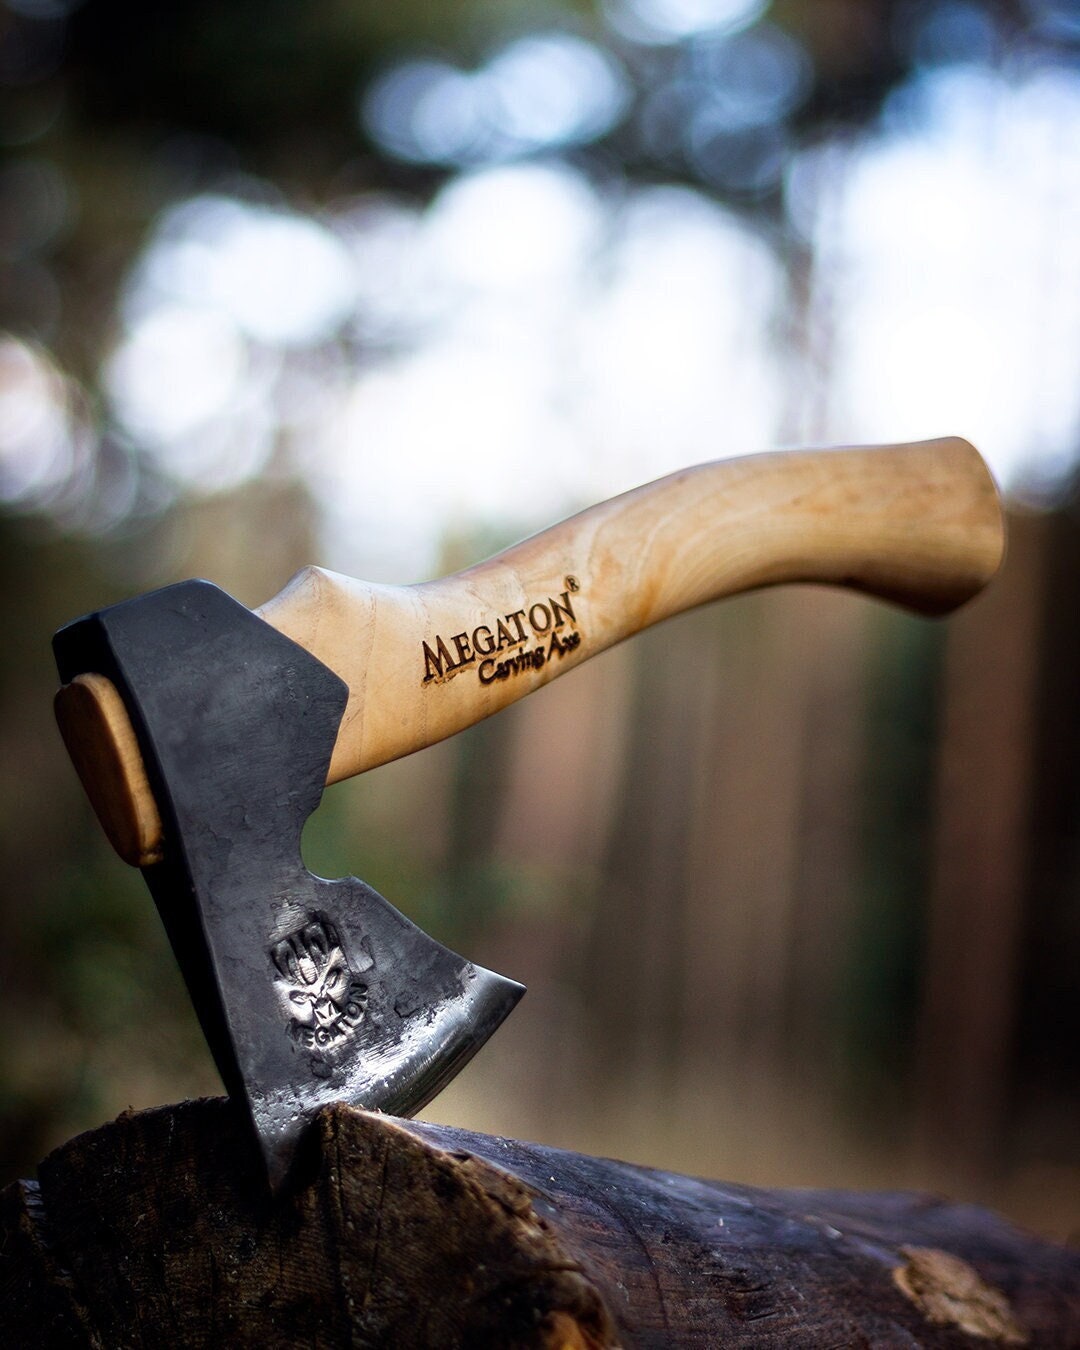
pixel 920 525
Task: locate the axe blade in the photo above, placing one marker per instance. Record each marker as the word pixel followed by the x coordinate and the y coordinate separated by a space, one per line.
pixel 309 991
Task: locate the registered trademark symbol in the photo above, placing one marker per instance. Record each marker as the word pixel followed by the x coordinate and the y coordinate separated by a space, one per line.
pixel 572 584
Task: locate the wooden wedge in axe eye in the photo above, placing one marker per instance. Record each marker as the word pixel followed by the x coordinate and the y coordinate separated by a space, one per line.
pixel 204 734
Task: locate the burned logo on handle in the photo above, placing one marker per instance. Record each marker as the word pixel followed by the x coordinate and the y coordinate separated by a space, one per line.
pixel 526 639
pixel 319 988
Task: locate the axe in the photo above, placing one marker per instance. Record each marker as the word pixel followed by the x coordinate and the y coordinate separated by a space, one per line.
pixel 204 734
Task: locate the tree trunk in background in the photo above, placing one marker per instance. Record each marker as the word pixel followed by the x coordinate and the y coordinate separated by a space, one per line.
pixel 635 951
pixel 157 1230
pixel 1047 1077
pixel 985 784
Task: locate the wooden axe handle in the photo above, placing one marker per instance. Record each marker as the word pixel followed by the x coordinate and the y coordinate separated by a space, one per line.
pixel 918 524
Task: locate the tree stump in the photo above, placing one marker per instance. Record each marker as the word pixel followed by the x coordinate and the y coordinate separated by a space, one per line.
pixel 158 1230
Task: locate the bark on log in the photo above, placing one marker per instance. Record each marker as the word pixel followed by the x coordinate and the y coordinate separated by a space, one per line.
pixel 157 1230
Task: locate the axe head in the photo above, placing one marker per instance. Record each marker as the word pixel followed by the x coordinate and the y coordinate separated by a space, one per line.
pixel 309 991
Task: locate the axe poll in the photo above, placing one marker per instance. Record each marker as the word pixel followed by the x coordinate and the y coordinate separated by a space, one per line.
pixel 204 734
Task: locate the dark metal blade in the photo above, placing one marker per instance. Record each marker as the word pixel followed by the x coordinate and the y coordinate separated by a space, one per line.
pixel 309 991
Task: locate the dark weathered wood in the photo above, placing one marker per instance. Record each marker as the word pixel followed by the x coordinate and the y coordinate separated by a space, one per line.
pixel 158 1230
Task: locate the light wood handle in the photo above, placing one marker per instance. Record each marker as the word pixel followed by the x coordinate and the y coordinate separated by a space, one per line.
pixel 919 525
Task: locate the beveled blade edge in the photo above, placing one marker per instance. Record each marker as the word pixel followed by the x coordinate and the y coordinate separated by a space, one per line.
pixel 488 1000
pixel 459 1027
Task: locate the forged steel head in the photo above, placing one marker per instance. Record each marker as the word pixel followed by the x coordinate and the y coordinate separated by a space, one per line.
pixel 309 991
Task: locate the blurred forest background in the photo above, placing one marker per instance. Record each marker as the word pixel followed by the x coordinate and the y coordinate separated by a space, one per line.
pixel 795 884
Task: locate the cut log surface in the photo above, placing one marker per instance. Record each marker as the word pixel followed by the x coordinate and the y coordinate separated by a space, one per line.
pixel 158 1230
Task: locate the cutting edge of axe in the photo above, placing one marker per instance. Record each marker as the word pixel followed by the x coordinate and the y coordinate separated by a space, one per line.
pixel 919 525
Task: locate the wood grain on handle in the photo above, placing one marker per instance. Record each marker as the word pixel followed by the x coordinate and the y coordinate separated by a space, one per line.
pixel 918 524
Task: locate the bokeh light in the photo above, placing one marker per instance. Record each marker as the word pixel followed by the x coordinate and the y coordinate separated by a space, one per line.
pixel 752 79
pixel 180 387
pixel 953 313
pixel 532 343
pixel 666 21
pixel 280 276
pixel 34 427
pixel 543 91
pixel 954 33
pixel 553 89
pixel 426 111
pixel 533 339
